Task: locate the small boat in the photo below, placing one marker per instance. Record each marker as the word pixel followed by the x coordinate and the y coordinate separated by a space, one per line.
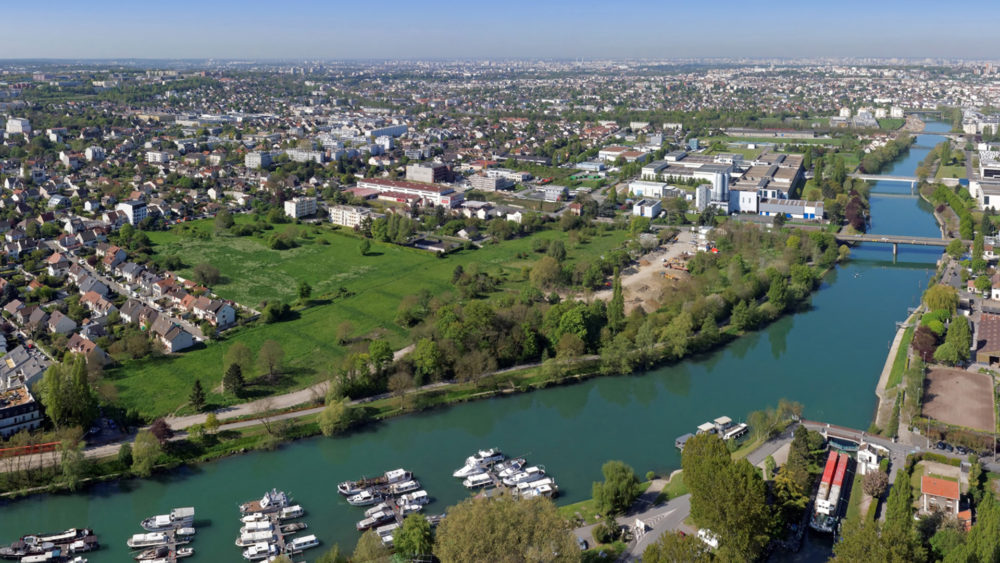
pixel 178 518
pixel 509 467
pixel 272 501
pixel 416 497
pixel 183 552
pixel 404 487
pixel 405 509
pixel 257 526
pixel 293 528
pixel 185 532
pixel 374 520
pixel 480 480
pixel 380 507
pixel 150 539
pixel 298 545
pixel 153 553
pixel 468 471
pixel 364 498
pixel 528 485
pixel 350 488
pixel 386 530
pixel 259 551
pixel 539 491
pixel 253 538
pixel 530 474
pixel 290 512
pixel 254 517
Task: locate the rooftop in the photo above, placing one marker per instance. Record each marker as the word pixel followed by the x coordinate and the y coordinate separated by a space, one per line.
pixel 939 487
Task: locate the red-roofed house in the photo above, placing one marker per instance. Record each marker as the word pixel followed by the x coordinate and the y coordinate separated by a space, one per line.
pixel 939 495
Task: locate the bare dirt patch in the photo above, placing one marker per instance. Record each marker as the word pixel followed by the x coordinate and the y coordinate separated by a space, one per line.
pixel 960 398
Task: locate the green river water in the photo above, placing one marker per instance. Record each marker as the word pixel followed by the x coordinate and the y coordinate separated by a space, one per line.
pixel 828 358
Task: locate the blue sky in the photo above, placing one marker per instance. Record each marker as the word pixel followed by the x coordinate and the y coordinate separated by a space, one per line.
pixel 510 28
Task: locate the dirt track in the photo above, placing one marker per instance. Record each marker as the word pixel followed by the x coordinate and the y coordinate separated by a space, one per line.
pixel 959 397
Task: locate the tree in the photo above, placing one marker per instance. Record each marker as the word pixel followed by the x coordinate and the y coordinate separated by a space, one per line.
pixel 619 489
pixel 233 381
pixel 305 291
pixel 197 397
pixel 727 497
pixel 955 249
pixel 223 220
pixel 380 354
pixel 68 397
pixel 426 357
pixel 676 548
pixel 960 337
pixel 72 461
pixel 125 456
pixel 211 423
pixel 945 153
pixel 145 449
pixel 344 331
pixel 399 383
pixel 241 355
pixel 941 296
pixel 270 358
pixel 616 307
pixel 332 556
pixel 161 430
pixel 505 529
pixel 370 549
pixel 875 483
pixel 364 246
pixel 335 417
pixel 414 537
pixel 206 274
pixel 546 273
pixel 983 284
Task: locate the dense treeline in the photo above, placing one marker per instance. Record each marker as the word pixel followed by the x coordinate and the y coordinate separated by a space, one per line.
pixel 959 204
pixel 873 162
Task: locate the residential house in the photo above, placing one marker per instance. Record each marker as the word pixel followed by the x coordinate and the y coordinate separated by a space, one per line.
pixel 38 319
pixel 97 304
pixel 92 284
pixel 57 265
pixel 939 495
pixel 171 336
pixel 61 324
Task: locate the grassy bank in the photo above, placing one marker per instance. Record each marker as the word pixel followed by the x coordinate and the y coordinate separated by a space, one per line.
pixel 899 363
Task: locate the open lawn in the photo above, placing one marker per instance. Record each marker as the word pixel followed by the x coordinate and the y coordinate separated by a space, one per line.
pixel 959 398
pixel 891 123
pixel 951 171
pixel 749 154
pixel 772 140
pixel 376 284
pixel 899 362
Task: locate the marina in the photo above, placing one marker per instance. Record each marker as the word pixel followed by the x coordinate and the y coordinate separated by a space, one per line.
pixel 165 535
pixel 263 535
pixel 51 547
pixel 723 426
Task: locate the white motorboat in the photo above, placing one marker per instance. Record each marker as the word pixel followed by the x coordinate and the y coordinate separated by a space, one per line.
pixel 254 517
pixel 476 481
pixel 178 518
pixel 374 520
pixel 380 507
pixel 185 532
pixel 364 498
pixel 386 530
pixel 257 526
pixel 272 501
pixel 183 552
pixel 478 463
pixel 298 545
pixel 290 512
pixel 410 508
pixel 404 487
pixel 253 538
pixel 416 497
pixel 151 539
pixel 509 467
pixel 259 551
pixel 533 473
pixel 528 485
pixel 539 491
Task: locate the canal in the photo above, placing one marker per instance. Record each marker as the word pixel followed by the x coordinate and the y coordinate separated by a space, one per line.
pixel 827 358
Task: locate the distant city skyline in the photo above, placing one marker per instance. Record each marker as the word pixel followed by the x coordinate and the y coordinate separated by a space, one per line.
pixel 450 29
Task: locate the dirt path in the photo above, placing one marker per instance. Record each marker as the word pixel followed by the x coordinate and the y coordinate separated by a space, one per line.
pixel 643 284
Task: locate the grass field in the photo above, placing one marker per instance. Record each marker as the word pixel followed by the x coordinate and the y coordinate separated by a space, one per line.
pixel 749 154
pixel 854 504
pixel 891 123
pixel 773 140
pixel 952 171
pixel 378 282
pixel 899 363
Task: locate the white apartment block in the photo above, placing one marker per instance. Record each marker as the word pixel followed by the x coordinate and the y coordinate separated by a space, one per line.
pixel 300 207
pixel 94 153
pixel 257 159
pixel 300 155
pixel 348 215
pixel 157 157
pixel 135 210
pixel 18 125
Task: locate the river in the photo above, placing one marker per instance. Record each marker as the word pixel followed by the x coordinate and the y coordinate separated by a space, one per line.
pixel 827 358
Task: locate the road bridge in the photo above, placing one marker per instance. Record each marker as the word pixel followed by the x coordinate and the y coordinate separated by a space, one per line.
pixel 884 178
pixel 895 241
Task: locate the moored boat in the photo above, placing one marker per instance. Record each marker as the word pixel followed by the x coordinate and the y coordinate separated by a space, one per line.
pixel 476 481
pixel 364 498
pixel 509 467
pixel 351 488
pixel 374 520
pixel 293 527
pixel 253 538
pixel 416 497
pixel 153 553
pixel 404 487
pixel 259 551
pixel 533 473
pixel 272 501
pixel 178 518
pixel 380 507
pixel 298 545
pixel 150 539
pixel 290 512
pixel 475 464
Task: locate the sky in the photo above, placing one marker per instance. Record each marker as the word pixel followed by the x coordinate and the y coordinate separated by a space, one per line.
pixel 453 29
